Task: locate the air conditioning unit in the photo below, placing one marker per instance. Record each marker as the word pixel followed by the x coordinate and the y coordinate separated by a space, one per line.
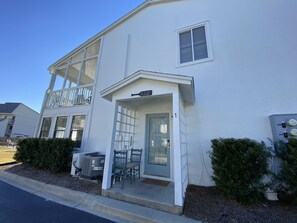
pixel 77 161
pixel 92 166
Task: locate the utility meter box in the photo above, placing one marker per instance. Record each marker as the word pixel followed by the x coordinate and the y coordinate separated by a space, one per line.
pixel 283 126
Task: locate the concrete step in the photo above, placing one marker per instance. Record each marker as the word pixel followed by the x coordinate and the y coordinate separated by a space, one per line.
pixel 157 205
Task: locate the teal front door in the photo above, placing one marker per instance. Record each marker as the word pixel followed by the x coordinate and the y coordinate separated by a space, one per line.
pixel 157 151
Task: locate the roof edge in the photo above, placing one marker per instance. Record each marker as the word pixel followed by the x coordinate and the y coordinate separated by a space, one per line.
pixel 173 78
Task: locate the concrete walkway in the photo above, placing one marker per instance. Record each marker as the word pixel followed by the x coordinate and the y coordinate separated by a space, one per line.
pixel 114 210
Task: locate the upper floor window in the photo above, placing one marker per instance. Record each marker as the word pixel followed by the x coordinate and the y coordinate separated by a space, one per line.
pixel 193 44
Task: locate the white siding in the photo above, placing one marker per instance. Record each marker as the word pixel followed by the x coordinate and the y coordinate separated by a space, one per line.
pixel 25 121
pixel 3 125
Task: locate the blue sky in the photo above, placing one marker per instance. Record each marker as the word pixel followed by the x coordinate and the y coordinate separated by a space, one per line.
pixel 36 33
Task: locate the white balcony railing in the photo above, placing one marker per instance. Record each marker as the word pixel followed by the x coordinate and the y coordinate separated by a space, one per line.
pixel 69 97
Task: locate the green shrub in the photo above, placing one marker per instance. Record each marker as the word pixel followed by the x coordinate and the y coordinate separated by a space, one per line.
pixel 239 166
pixel 61 155
pixel 51 154
pixel 27 150
pixel 286 179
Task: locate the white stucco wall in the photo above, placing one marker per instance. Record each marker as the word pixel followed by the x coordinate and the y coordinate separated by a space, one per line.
pixel 252 74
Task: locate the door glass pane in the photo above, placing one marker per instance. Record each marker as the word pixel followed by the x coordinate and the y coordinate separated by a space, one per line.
pixel 158 136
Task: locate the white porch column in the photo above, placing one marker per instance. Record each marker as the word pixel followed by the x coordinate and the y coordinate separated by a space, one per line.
pixel 106 183
pixel 178 193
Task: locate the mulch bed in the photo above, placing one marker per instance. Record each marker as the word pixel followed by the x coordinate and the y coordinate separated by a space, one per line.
pixel 208 205
pixel 202 203
pixel 59 179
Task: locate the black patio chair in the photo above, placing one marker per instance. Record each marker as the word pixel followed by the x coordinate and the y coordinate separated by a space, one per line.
pixel 135 160
pixel 119 169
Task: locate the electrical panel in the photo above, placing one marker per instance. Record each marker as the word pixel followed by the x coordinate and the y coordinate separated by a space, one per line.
pixel 283 126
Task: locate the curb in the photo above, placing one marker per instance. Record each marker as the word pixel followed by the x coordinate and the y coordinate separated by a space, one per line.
pixel 98 205
pixel 6 164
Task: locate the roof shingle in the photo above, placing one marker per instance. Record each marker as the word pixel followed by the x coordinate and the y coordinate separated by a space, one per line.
pixel 8 107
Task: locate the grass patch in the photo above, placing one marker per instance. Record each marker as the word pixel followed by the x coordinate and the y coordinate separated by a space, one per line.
pixel 6 154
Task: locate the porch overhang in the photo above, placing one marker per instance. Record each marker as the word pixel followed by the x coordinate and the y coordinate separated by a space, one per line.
pixel 185 84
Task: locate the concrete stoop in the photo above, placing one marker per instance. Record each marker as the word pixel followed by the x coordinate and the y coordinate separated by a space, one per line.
pixel 172 209
pixel 115 210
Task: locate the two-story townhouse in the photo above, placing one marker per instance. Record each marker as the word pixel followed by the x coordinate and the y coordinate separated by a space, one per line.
pixel 207 69
pixel 17 120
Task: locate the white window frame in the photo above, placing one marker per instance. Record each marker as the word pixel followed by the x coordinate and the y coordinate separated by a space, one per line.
pixel 55 126
pixel 206 26
pixel 50 129
pixel 86 127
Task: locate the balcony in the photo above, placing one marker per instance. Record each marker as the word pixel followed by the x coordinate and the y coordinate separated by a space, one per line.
pixel 70 97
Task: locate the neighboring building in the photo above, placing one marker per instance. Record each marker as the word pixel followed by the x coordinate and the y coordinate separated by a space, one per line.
pixel 17 120
pixel 241 55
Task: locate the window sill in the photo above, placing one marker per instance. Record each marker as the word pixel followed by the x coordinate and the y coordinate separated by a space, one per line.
pixel 180 65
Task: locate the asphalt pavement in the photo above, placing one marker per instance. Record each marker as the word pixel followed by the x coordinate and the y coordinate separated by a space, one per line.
pixel 17 205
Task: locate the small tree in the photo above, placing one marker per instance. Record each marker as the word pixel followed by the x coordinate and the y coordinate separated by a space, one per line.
pixel 239 166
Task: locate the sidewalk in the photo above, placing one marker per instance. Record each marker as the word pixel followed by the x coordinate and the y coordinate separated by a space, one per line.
pixel 114 210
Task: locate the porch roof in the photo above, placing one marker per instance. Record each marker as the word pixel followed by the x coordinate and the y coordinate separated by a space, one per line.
pixel 186 84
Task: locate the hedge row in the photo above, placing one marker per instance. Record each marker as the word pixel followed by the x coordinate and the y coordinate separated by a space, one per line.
pixel 50 154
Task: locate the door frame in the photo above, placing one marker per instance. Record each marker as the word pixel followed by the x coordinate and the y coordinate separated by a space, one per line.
pixel 168 167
